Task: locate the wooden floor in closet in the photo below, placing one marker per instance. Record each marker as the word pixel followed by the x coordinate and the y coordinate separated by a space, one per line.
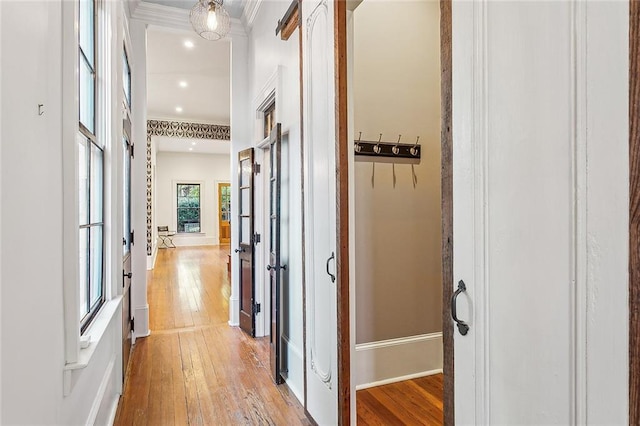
pixel 410 402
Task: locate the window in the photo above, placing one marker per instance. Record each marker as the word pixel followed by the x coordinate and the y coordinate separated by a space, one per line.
pixel 90 174
pixel 126 78
pixel 269 119
pixel 127 149
pixel 188 207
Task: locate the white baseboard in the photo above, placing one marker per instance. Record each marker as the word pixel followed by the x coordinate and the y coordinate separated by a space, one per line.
pixel 141 315
pixel 234 311
pixel 114 410
pixel 192 241
pixel 394 360
pixel 295 365
pixel 151 260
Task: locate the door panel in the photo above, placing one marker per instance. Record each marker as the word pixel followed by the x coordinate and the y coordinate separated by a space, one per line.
pixel 245 247
pixel 275 267
pixel 518 170
pixel 319 215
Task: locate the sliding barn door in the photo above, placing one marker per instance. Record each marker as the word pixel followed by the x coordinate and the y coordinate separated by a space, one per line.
pixel 540 212
pixel 275 267
pixel 320 210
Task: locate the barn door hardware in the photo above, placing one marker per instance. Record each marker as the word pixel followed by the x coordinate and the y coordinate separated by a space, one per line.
pixel 463 327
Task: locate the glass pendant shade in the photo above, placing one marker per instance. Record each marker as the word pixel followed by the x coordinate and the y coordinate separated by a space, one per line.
pixel 210 19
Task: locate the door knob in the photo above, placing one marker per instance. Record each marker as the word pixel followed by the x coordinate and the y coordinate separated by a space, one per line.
pixel 463 327
pixel 129 275
pixel 239 250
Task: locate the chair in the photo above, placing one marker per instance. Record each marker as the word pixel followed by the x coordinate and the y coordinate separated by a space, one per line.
pixel 166 237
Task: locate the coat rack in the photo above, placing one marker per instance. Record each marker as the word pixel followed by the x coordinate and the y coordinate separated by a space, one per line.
pixel 387 152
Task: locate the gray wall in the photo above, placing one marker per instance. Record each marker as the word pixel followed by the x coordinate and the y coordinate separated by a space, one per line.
pixel 397 91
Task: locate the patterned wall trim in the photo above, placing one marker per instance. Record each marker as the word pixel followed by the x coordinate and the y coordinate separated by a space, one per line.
pixel 176 129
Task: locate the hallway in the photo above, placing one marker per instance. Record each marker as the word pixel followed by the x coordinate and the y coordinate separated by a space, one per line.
pixel 194 369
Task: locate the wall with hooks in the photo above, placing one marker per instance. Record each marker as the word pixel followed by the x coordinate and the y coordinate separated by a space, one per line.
pixel 397 200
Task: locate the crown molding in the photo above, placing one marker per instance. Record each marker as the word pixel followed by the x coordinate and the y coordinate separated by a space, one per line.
pixel 171 17
pixel 250 12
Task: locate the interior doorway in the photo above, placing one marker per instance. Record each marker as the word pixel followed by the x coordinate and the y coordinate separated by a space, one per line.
pixel 395 131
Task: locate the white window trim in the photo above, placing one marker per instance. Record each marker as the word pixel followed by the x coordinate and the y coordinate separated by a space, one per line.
pixel 77 354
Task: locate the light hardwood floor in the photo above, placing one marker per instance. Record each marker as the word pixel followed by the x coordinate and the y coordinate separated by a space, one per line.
pixel 194 369
pixel 411 402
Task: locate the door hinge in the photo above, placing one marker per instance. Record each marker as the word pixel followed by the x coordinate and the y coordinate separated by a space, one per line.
pixel 256 308
pixel 133 324
pixel 132 235
pixel 132 151
pixel 256 238
pixel 256 168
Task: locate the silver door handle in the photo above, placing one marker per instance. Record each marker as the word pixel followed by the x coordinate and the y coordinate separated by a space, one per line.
pixel 333 277
pixel 463 327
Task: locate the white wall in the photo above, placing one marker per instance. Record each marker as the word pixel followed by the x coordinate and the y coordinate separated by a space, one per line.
pixel 32 254
pixel 139 177
pixel 396 91
pixel 206 169
pixel 266 53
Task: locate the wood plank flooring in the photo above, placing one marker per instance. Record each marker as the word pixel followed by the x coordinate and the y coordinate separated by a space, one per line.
pixel 411 402
pixel 194 369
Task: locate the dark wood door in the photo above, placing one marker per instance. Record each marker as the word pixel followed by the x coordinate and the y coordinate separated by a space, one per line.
pixel 127 241
pixel 245 247
pixel 275 267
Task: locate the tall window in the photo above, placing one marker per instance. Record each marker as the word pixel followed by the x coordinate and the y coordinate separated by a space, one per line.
pixel 127 239
pixel 90 173
pixel 188 207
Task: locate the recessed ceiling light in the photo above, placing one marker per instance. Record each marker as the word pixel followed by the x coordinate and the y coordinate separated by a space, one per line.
pixel 188 44
pixel 183 83
pixel 190 149
pixel 178 109
pixel 193 143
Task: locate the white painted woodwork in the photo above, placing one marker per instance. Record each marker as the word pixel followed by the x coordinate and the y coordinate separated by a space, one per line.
pixel 394 360
pixel 319 215
pixel 540 211
pixel 40 328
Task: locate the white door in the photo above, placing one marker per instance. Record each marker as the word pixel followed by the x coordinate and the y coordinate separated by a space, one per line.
pixel 320 214
pixel 539 184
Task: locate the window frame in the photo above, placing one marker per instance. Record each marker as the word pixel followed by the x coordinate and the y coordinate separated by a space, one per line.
pixel 92 141
pixel 177 185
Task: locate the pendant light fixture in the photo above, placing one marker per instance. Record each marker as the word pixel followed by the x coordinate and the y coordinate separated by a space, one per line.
pixel 210 19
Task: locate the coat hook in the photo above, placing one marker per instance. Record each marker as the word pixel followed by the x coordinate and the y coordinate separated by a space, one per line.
pixel 376 148
pixel 40 110
pixel 396 151
pixel 414 148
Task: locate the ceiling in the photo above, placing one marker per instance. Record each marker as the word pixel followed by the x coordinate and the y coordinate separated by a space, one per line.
pixel 234 7
pixel 192 146
pixel 203 68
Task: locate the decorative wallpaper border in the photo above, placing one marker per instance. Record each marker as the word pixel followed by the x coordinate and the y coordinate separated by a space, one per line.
pixel 176 129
